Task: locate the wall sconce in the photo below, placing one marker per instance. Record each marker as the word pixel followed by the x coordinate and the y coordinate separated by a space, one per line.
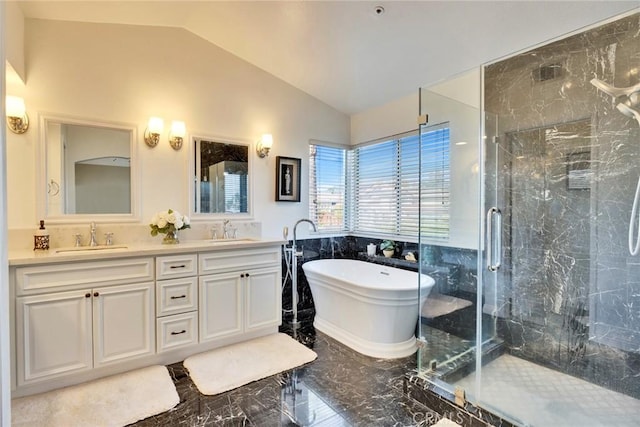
pixel 264 145
pixel 17 119
pixel 176 136
pixel 153 131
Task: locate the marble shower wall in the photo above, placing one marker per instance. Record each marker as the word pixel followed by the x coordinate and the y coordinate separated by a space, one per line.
pixel 566 163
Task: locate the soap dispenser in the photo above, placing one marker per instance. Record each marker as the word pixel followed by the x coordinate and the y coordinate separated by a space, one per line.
pixel 41 238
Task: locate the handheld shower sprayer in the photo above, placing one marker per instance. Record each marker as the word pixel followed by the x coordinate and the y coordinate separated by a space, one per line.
pixel 627 99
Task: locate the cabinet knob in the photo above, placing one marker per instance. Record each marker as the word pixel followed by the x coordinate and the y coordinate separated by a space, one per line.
pixel 247 274
pixel 242 275
pixel 87 295
pixel 96 294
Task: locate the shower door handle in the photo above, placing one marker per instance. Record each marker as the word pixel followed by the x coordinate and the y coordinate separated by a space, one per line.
pixel 494 239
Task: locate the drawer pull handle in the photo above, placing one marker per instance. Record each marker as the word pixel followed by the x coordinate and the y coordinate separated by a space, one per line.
pixel 178 333
pixel 178 266
pixel 178 297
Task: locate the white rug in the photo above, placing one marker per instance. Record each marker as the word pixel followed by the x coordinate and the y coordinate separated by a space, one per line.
pixel 444 422
pixel 230 367
pixel 113 401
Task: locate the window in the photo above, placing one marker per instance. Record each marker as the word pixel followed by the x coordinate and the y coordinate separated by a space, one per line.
pixel 383 195
pixel 327 187
pixel 436 182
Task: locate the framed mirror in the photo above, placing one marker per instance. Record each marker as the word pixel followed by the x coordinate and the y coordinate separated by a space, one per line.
pixel 88 170
pixel 222 177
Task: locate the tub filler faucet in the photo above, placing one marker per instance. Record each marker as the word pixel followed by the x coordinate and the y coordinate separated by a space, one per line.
pixel 293 250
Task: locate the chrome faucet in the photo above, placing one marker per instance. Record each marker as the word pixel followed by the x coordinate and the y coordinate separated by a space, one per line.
pixel 295 228
pixel 225 229
pixel 93 241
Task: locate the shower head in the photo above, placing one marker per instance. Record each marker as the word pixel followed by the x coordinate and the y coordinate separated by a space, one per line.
pixel 616 92
pixel 627 98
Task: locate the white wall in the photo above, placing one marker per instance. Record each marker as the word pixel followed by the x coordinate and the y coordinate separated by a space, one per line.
pixel 456 100
pixel 14 31
pixel 126 74
pixel 5 359
pixel 398 116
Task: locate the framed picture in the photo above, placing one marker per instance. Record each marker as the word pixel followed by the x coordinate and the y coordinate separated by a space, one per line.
pixel 287 179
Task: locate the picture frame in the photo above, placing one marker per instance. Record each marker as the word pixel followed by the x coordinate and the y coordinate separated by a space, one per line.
pixel 288 179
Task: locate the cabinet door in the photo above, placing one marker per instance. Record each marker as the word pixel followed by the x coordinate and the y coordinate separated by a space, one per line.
pixel 53 333
pixel 220 306
pixel 263 299
pixel 123 322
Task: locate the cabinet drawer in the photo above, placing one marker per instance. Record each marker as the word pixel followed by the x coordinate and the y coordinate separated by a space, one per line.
pixel 78 275
pixel 176 296
pixel 238 260
pixel 177 331
pixel 175 266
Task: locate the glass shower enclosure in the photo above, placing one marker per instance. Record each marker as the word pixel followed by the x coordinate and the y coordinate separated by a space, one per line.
pixel 558 291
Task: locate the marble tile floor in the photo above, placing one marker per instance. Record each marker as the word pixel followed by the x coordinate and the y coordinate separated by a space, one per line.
pixel 340 388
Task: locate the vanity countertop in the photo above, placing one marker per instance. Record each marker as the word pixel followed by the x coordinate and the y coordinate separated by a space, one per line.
pixel 59 255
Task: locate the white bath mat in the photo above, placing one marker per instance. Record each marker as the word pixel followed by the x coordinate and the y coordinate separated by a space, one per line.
pixel 230 367
pixel 446 423
pixel 113 401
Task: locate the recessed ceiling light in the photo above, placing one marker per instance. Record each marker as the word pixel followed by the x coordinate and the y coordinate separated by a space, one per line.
pixel 379 10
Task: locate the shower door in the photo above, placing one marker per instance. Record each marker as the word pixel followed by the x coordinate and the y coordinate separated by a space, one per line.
pixel 561 163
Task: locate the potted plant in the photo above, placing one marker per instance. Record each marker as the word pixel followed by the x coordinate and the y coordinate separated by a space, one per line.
pixel 388 248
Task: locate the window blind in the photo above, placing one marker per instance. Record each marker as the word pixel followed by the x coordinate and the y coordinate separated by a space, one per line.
pixel 435 182
pixel 327 187
pixel 393 196
pixel 398 187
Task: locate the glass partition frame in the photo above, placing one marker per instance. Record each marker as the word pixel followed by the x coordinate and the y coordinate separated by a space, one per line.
pixel 452 262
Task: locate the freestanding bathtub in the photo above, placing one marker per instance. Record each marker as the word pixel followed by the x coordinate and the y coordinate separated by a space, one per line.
pixel 369 307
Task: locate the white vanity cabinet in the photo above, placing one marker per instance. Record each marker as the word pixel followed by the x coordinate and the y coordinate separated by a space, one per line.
pixel 81 317
pixel 240 292
pixel 91 318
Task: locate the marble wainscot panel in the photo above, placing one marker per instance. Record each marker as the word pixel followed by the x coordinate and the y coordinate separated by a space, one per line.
pixel 453 269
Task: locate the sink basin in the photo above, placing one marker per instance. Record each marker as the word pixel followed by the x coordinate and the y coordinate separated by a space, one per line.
pixel 81 249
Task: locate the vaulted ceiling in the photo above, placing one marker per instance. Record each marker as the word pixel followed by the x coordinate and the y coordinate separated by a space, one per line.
pixel 346 53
